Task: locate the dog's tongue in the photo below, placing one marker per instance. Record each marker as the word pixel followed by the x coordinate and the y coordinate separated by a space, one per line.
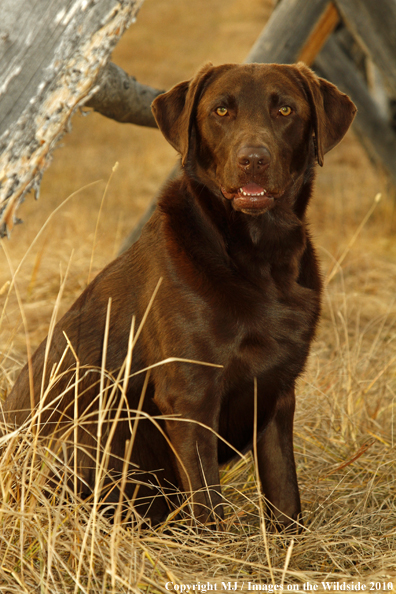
pixel 252 189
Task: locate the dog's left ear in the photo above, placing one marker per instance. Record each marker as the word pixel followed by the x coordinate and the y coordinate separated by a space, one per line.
pixel 174 110
pixel 333 111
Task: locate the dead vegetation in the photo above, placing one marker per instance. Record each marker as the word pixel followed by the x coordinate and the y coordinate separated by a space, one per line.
pixel 345 431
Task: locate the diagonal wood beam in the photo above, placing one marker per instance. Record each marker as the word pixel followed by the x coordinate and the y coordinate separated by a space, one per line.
pixel 121 97
pixel 291 24
pixel 373 25
pixel 371 127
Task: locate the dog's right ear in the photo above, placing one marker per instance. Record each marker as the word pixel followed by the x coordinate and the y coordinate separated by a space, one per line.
pixel 174 111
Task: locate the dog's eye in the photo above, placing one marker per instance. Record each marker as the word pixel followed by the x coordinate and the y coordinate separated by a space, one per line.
pixel 285 110
pixel 222 111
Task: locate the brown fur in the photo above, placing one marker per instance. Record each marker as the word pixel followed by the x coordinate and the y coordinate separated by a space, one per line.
pixel 240 289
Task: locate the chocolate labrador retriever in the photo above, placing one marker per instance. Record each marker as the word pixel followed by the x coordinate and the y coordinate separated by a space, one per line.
pixel 240 291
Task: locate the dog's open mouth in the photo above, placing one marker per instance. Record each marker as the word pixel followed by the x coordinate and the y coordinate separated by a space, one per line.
pixel 251 198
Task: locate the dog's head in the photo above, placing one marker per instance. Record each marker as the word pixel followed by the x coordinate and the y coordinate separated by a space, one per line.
pixel 250 131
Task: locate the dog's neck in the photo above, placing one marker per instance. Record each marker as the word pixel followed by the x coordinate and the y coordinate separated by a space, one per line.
pixel 261 231
pixel 200 219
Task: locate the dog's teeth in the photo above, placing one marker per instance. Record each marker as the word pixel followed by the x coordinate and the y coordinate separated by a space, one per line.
pixel 242 191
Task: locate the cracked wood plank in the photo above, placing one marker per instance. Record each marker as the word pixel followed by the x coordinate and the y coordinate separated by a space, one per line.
pixel 51 54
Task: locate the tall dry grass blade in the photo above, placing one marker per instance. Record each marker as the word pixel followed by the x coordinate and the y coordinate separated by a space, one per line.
pixel 128 362
pixel 24 321
pixel 35 419
pixel 116 533
pixel 377 377
pixel 99 477
pixel 75 424
pixel 5 287
pixel 36 267
pixel 287 561
pixel 354 237
pixel 146 313
pixel 50 335
pixel 173 360
pixel 139 409
pixel 114 169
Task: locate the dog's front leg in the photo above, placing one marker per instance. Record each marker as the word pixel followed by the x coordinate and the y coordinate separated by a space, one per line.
pixel 276 464
pixel 194 447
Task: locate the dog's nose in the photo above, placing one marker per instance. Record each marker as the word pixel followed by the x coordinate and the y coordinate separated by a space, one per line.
pixel 253 158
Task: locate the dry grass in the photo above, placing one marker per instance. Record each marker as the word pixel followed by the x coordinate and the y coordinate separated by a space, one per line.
pixel 345 430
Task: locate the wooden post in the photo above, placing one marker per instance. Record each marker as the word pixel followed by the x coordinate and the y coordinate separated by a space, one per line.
pixel 289 27
pixel 50 56
pixel 325 26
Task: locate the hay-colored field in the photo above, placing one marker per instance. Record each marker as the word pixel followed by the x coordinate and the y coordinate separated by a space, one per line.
pixel 345 431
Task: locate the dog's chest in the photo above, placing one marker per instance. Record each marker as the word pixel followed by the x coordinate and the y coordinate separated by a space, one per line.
pixel 268 340
pixel 266 326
